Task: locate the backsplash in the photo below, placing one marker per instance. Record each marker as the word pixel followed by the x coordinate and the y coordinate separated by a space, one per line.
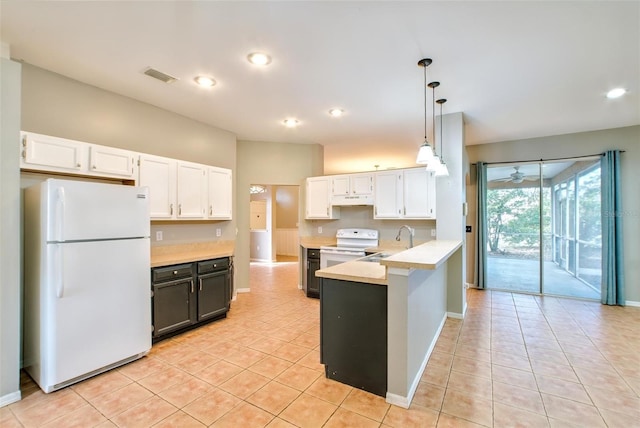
pixel 362 217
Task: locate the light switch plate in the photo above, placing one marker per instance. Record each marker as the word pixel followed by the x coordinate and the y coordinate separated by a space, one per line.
pixel 319 229
pixel 218 232
pixel 159 235
pixel 433 233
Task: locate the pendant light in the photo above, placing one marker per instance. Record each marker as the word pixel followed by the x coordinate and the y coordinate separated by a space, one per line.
pixel 425 154
pixel 441 169
pixel 434 162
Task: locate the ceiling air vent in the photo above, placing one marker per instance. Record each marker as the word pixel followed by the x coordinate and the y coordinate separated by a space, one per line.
pixel 152 72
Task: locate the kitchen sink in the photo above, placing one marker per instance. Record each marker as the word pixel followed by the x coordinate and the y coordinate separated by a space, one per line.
pixel 374 258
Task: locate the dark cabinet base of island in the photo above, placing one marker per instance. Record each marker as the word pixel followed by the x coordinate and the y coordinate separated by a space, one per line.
pixel 353 333
pixel 188 295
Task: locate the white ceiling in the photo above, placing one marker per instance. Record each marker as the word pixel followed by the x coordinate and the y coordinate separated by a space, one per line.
pixel 515 69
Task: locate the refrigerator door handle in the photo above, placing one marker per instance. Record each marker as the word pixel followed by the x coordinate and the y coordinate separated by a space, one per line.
pixel 60 216
pixel 59 265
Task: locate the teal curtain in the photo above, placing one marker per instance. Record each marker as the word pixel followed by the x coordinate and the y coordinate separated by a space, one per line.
pixel 612 234
pixel 481 244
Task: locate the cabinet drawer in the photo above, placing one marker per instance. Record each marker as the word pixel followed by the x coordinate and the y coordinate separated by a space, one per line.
pixel 170 273
pixel 213 265
pixel 313 254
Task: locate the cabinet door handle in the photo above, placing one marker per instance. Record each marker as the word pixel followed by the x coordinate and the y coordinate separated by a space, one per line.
pixel 94 167
pixel 179 209
pixel 210 209
pixel 192 290
pixel 170 209
pixel 200 285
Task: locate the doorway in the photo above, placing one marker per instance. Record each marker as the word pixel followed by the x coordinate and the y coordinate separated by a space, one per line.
pixel 544 227
pixel 273 223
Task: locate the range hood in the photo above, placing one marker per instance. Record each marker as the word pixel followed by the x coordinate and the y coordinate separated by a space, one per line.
pixel 351 200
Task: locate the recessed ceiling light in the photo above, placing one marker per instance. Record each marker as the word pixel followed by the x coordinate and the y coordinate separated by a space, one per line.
pixel 259 58
pixel 616 93
pixel 204 81
pixel 291 123
pixel 336 112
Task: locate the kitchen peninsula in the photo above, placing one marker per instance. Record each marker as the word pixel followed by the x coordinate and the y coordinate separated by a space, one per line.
pixel 380 316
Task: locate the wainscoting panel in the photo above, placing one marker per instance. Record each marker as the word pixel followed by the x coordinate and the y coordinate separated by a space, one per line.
pixel 286 242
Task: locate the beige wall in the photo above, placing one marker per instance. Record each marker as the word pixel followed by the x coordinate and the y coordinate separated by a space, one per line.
pixel 287 207
pixel 10 250
pixel 56 105
pixel 566 146
pixel 269 164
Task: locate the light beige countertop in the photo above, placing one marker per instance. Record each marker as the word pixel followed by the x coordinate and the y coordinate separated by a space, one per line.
pixel 430 255
pixel 316 241
pixel 369 272
pixel 167 255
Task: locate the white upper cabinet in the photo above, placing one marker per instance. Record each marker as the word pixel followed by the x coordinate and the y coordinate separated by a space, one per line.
pixel 159 174
pixel 178 190
pixel 53 154
pixel 419 193
pixel 42 152
pixel 220 192
pixel 192 190
pixel 340 185
pixel 405 194
pixel 318 205
pixel 352 189
pixel 388 197
pixel 112 162
pixel 361 184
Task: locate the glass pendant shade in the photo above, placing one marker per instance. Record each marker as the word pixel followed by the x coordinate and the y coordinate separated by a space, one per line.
pixel 425 154
pixel 433 164
pixel 441 169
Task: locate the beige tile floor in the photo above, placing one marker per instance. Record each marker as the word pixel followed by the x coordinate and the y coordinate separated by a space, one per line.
pixel 516 360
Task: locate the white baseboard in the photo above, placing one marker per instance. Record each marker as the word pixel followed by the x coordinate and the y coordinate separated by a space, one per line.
pixel 455 315
pixel 243 290
pixel 632 303
pixel 299 286
pixel 405 402
pixel 10 398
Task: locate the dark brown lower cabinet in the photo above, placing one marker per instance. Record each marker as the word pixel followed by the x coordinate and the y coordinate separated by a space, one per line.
pixel 353 333
pixel 187 295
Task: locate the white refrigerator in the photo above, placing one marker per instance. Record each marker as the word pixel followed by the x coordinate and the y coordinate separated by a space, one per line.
pixel 86 279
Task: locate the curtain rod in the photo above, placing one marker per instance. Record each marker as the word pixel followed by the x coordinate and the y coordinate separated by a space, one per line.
pixel 546 160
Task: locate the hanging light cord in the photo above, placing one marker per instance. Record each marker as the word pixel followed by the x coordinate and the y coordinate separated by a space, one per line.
pixel 425 102
pixel 441 140
pixel 433 117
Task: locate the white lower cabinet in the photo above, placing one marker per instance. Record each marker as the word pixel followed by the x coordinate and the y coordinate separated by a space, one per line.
pixel 405 194
pixel 220 192
pixel 192 190
pixel 159 174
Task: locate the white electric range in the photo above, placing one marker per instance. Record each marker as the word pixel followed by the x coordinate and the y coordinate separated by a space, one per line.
pixel 351 245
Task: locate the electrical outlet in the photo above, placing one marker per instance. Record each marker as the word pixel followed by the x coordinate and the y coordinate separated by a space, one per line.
pixel 468 229
pixel 159 235
pixel 433 233
pixel 218 232
pixel 319 229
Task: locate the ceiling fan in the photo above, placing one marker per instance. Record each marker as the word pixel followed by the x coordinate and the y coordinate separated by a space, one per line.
pixel 518 177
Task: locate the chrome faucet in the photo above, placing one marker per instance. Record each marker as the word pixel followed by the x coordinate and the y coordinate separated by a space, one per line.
pixel 411 233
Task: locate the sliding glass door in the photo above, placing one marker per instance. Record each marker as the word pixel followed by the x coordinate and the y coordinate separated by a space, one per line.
pixel 543 227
